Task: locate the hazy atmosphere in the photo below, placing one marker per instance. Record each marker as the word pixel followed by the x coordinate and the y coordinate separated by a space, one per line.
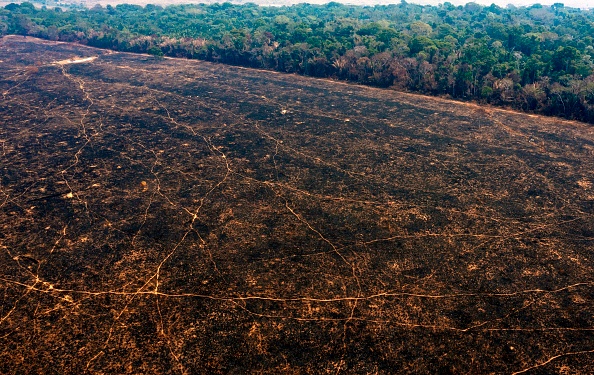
pixel 569 3
pixel 502 3
pixel 584 4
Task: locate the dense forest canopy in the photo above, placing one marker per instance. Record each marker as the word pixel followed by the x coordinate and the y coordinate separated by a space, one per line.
pixel 537 58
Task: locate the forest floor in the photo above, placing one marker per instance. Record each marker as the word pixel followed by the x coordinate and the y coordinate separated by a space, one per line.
pixel 178 216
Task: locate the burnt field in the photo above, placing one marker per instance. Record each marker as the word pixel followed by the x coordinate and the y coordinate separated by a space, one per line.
pixel 179 217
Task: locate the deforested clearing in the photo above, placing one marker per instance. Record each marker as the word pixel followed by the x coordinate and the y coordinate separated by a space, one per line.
pixel 174 216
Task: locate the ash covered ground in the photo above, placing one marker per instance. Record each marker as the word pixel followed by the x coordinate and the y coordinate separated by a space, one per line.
pixel 174 216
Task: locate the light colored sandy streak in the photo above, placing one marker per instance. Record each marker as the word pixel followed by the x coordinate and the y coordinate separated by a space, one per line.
pixel 75 60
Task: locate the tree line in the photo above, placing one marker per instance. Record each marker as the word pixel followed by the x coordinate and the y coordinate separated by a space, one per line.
pixel 536 59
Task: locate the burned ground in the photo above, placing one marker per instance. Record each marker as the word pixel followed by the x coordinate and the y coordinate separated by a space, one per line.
pixel 173 216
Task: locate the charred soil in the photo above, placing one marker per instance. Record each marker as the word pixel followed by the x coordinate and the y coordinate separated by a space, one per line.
pixel 173 216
